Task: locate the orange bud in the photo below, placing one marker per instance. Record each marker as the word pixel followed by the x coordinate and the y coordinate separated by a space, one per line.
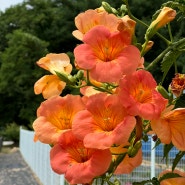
pixel 127 24
pixel 148 46
pixel 165 16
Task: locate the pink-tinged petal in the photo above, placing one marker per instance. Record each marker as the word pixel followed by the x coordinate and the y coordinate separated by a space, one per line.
pixel 59 159
pixel 55 115
pixel 83 124
pixel 97 165
pixel 138 95
pixel 45 131
pixel 104 123
pixel 129 59
pixel 104 140
pixel 107 55
pixel 129 164
pixel 80 165
pixel 112 69
pixel 49 85
pixel 84 57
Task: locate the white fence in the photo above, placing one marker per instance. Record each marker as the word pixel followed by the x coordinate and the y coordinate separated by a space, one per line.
pixel 37 157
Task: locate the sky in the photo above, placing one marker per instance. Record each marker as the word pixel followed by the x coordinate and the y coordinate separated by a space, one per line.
pixel 7 3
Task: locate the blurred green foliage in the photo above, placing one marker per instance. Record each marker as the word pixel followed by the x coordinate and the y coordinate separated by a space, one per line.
pixel 10 132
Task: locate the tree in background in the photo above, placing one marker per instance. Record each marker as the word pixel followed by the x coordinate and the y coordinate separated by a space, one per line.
pixel 18 73
pixel 36 27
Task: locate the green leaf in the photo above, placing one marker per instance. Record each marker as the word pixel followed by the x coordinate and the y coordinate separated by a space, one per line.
pixel 168 61
pixel 157 143
pixel 180 102
pixel 167 149
pixel 177 159
pixel 142 182
pixel 169 176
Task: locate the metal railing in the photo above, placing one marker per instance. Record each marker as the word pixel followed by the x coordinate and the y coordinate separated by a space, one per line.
pixel 36 154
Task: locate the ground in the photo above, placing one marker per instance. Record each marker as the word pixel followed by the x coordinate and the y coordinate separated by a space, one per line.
pixel 14 170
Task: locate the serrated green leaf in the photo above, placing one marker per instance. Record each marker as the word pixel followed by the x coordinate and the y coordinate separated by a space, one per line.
pixel 180 102
pixel 169 176
pixel 168 61
pixel 177 159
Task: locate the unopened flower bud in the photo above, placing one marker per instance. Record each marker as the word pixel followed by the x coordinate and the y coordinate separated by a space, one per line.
pixel 108 8
pixel 165 16
pixel 123 9
pixel 80 74
pixel 71 78
pixel 162 91
pixel 148 46
pixel 133 150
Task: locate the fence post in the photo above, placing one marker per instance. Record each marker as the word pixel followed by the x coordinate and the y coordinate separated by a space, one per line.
pixel 62 180
pixel 152 159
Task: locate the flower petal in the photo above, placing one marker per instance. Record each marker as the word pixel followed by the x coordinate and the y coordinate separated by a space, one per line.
pixel 49 85
pixel 79 164
pixel 55 115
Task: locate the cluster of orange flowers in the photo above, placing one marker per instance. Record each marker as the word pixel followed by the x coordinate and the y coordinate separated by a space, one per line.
pixel 100 130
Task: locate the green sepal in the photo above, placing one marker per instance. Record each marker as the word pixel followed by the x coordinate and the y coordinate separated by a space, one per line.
pixel 178 157
pixel 169 176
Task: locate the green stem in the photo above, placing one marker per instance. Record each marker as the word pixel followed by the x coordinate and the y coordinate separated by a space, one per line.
pixel 170 33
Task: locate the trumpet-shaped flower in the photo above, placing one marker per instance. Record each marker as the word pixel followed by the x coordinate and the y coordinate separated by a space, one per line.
pixel 104 122
pixel 54 116
pixel 79 164
pixel 51 85
pixel 56 62
pixel 178 180
pixel 170 127
pixel 87 20
pixel 138 95
pixel 107 55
